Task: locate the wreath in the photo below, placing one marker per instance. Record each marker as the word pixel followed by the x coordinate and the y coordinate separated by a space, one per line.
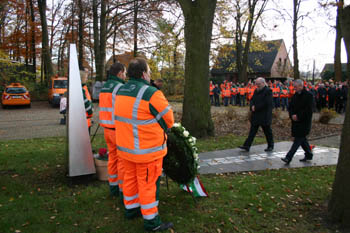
pixel 181 161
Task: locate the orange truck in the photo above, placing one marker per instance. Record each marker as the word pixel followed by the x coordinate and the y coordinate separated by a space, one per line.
pixel 57 87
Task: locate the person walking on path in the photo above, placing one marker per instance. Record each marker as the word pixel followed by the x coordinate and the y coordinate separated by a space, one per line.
pixel 300 112
pixel 116 77
pixel 261 115
pixel 142 117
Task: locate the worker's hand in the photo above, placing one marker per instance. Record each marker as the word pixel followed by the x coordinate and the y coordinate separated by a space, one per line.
pixel 294 117
pixel 253 108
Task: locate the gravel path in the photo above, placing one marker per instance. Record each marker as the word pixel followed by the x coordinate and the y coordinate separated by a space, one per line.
pixel 39 121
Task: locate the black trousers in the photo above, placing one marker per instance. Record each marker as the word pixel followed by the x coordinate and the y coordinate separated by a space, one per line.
pixel 252 132
pixel 300 141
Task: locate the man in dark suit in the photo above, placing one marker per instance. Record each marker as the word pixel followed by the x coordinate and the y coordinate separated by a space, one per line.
pixel 261 115
pixel 300 112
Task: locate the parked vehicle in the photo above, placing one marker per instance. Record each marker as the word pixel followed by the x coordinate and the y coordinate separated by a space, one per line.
pixel 15 94
pixel 57 87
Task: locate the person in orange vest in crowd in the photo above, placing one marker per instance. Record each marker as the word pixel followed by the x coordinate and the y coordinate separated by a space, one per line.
pixel 222 89
pixel 276 95
pixel 116 77
pixel 241 95
pixel 87 98
pixel 142 118
pixel 227 95
pixel 234 93
pixel 284 97
pixel 211 93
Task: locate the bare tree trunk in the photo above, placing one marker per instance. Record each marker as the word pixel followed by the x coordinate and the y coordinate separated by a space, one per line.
pixel 96 40
pixel 46 56
pixel 99 39
pixel 136 5
pixel 32 26
pixel 296 7
pixel 339 204
pixel 337 53
pixel 199 17
pixel 81 34
pixel 239 49
pixel 26 33
pixel 103 40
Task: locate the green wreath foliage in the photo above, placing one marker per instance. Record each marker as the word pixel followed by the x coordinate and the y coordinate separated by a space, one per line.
pixel 181 161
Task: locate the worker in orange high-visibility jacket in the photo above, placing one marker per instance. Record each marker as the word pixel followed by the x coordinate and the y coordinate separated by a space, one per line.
pixel 211 93
pixel 116 77
pixel 142 117
pixel 87 98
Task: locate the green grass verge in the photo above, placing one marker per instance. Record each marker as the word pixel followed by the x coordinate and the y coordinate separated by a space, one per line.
pixel 36 196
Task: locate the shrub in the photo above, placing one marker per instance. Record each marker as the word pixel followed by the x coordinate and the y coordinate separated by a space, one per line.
pixel 326 115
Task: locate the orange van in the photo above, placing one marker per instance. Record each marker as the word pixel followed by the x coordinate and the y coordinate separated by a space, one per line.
pixel 57 86
pixel 15 94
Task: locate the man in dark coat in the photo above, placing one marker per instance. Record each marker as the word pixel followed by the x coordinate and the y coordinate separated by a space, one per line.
pixel 300 112
pixel 217 92
pixel 331 96
pixel 322 95
pixel 261 115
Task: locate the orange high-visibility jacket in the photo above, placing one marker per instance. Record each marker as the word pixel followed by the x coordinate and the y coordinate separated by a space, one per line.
pixel 88 104
pixel 241 90
pixel 227 92
pixel 107 100
pixel 142 116
pixel 211 88
pixel 284 93
pixel 275 91
pixel 291 91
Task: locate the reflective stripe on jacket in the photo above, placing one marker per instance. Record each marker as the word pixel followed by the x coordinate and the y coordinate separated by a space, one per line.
pixel 107 100
pixel 141 119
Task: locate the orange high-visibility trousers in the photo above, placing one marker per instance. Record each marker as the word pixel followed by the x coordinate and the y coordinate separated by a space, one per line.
pixel 112 165
pixel 140 188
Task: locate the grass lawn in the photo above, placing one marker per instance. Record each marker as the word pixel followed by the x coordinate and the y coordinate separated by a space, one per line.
pixel 36 196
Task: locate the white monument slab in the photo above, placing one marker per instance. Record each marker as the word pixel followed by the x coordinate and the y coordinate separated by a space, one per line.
pixel 81 160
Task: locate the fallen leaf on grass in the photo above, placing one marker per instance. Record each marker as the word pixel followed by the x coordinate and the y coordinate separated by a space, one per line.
pixel 230 219
pixel 260 210
pixel 25 224
pixel 218 230
pixel 14 176
pixel 52 217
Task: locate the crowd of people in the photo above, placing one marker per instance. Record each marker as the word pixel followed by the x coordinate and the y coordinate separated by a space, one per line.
pixel 330 94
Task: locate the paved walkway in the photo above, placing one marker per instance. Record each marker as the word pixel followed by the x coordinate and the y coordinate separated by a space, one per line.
pixel 237 160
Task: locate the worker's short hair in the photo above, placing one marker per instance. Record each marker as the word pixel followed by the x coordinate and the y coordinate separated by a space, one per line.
pixel 136 67
pixel 116 68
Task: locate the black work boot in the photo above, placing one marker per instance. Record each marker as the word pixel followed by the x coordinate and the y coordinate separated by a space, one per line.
pixel 164 226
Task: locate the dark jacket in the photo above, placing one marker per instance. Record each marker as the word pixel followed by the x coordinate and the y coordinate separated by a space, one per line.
pixel 301 105
pixel 262 100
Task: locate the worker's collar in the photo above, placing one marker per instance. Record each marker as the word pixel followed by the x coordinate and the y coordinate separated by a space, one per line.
pixel 116 78
pixel 139 80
